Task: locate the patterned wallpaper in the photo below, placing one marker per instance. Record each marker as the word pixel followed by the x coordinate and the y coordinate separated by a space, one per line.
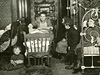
pixel 5 9
pixel 5 13
pixel 32 8
pixel 89 3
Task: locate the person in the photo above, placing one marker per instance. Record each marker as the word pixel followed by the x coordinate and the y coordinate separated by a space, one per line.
pixel 61 48
pixel 9 39
pixel 43 22
pixel 22 30
pixel 16 60
pixel 73 40
pixel 24 25
pixel 42 25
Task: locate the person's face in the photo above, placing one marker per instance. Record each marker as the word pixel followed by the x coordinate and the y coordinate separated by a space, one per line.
pixel 91 23
pixel 42 17
pixel 17 51
pixel 67 26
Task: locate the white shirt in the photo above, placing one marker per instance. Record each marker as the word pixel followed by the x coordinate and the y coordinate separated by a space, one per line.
pixel 43 25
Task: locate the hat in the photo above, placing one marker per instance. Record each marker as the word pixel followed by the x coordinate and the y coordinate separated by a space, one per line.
pixel 67 20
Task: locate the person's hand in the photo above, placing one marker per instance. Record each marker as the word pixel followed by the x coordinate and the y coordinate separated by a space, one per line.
pixel 13 63
pixel 63 39
pixel 51 28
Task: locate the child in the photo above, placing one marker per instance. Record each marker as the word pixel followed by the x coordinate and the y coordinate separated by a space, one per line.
pixel 73 36
pixel 16 61
pixel 61 48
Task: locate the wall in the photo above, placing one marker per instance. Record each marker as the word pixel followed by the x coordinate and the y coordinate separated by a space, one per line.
pixel 5 13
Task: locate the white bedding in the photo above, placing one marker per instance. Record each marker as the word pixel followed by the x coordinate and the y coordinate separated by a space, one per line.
pixel 91 50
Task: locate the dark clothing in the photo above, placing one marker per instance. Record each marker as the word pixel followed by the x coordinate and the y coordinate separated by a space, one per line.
pixel 18 29
pixel 73 40
pixel 17 57
pixel 5 36
pixel 71 54
pixel 73 37
pixel 18 66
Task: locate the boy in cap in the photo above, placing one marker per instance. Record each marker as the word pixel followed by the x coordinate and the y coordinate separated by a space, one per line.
pixel 73 39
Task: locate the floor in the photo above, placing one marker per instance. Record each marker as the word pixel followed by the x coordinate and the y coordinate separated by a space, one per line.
pixel 59 69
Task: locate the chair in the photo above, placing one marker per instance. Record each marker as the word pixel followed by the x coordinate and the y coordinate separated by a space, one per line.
pixel 38 47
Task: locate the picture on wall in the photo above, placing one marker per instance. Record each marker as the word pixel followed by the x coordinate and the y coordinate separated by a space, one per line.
pixel 45 9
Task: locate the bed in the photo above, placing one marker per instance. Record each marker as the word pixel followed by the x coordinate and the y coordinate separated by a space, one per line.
pixel 38 45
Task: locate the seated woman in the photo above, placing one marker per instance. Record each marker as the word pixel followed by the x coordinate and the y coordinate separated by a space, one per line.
pixel 43 22
pixel 41 25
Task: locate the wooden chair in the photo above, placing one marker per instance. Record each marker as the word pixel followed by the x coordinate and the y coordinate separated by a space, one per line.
pixel 38 47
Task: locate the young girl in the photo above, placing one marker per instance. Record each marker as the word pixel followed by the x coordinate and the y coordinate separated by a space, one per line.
pixel 61 48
